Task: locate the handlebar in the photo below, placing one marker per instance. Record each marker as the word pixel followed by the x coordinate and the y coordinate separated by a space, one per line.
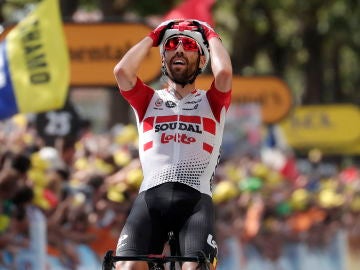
pixel 110 259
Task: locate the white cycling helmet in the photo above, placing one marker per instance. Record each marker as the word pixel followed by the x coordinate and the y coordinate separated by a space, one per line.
pixel 188 28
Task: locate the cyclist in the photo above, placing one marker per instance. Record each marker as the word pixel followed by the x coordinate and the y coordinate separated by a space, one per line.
pixel 180 132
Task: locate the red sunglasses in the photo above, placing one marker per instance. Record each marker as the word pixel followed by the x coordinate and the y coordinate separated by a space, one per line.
pixel 188 44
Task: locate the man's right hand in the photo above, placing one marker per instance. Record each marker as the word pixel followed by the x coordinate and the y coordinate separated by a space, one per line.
pixel 157 34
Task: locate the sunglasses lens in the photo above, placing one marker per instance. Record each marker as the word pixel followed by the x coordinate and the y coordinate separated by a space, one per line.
pixel 188 44
pixel 171 44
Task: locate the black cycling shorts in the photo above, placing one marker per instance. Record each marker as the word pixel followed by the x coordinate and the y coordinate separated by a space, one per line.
pixel 169 207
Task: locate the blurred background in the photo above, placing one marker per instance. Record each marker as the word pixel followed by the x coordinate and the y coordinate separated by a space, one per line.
pixel 287 189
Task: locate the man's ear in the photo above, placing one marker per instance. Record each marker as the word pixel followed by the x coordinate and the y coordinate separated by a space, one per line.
pixel 202 61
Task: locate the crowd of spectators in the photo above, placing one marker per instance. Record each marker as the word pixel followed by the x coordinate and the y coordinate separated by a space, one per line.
pixel 85 188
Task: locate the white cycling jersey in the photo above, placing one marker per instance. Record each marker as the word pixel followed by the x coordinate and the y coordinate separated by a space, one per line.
pixel 179 140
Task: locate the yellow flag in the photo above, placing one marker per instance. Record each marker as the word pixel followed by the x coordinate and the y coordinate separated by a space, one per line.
pixel 36 61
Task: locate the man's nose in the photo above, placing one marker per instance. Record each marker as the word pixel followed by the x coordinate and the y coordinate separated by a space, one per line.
pixel 180 47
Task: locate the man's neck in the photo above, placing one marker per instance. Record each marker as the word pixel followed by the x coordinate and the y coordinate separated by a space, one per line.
pixel 180 91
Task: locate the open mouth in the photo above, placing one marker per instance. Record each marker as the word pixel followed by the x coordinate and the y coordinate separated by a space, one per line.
pixel 178 62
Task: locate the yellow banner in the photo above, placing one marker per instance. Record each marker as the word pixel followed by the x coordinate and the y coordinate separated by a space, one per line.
pixel 96 48
pixel 272 94
pixel 327 126
pixel 39 60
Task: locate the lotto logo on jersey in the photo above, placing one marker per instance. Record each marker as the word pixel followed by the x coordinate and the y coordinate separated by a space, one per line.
pixel 181 138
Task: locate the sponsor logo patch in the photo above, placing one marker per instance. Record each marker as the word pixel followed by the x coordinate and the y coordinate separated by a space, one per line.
pixel 170 104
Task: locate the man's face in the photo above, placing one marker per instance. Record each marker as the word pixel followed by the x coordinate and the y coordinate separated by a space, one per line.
pixel 182 58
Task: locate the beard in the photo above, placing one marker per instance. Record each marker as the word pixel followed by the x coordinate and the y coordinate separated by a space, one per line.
pixel 182 74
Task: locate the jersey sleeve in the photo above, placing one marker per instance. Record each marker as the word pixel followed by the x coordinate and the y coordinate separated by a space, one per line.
pixel 218 100
pixel 139 97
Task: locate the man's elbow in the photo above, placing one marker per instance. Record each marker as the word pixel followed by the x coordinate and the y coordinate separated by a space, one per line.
pixel 120 73
pixel 226 73
pixel 124 78
pixel 118 70
pixel 223 80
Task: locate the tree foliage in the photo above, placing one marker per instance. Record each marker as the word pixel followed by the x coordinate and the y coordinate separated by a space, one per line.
pixel 312 45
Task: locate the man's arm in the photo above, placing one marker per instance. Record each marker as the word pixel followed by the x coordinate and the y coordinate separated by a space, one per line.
pixel 127 68
pixel 220 59
pixel 220 65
